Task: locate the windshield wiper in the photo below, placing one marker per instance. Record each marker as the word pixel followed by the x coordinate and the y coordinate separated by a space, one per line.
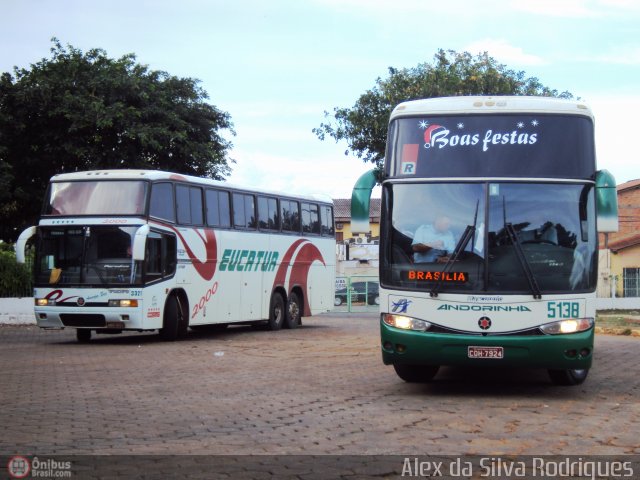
pixel 467 235
pixel 524 263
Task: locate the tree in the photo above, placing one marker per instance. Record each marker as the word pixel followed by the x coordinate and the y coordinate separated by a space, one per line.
pixel 79 111
pixel 364 126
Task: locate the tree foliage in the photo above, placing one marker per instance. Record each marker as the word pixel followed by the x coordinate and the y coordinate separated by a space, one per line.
pixel 78 111
pixel 15 278
pixel 364 126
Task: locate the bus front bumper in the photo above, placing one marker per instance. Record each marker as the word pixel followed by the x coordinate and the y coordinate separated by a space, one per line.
pixel 94 318
pixel 570 351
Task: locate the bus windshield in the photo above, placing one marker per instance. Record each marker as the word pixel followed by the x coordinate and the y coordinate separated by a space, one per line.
pixel 96 255
pixel 96 198
pixel 491 237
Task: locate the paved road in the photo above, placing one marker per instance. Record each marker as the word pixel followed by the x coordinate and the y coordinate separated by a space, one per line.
pixel 320 389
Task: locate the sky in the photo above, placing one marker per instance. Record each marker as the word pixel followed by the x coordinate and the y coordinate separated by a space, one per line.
pixel 276 66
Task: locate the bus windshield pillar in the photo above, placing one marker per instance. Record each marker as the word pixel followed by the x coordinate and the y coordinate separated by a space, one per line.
pixel 139 243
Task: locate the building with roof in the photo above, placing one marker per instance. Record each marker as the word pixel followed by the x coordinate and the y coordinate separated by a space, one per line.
pixel 619 260
pixel 342 214
pixel 357 255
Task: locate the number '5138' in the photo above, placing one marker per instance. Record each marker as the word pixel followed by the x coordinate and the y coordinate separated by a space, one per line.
pixel 563 310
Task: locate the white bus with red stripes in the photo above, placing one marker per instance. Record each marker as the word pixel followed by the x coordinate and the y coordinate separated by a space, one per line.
pixel 145 250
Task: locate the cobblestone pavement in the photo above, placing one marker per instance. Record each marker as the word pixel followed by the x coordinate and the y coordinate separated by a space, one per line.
pixel 320 389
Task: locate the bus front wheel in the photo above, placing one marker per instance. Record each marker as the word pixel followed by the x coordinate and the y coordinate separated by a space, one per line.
pixel 569 376
pixel 416 373
pixel 174 324
pixel 293 317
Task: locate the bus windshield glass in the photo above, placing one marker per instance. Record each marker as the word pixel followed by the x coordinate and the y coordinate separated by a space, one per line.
pixel 522 145
pixel 90 256
pixel 491 237
pixel 122 197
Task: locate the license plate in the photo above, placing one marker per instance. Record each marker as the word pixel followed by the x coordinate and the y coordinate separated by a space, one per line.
pixel 485 352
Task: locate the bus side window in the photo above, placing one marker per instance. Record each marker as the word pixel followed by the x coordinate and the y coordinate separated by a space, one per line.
pixel 244 215
pixel 327 220
pixel 295 224
pixel 197 209
pixel 306 217
pixel 286 215
pixel 153 263
pixel 290 216
pixel 225 209
pixel 310 219
pixel 263 213
pixel 268 213
pixel 189 203
pixel 169 255
pixel 162 205
pixel 182 204
pixel 274 214
pixel 315 218
pixel 250 211
pixel 218 211
pixel 161 256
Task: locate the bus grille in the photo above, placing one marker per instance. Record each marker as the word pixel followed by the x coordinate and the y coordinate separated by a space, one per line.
pixel 530 332
pixel 82 320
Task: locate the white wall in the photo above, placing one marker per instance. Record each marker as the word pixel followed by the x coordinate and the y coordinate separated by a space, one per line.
pixel 15 311
pixel 628 303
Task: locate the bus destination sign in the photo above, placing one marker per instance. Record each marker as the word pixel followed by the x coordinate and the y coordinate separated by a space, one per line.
pixel 430 276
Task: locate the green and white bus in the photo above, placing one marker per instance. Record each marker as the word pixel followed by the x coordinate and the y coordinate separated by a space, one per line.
pixel 491 208
pixel 143 250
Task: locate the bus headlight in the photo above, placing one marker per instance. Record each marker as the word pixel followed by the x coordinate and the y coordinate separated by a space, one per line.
pixel 42 302
pixel 123 303
pixel 573 325
pixel 405 323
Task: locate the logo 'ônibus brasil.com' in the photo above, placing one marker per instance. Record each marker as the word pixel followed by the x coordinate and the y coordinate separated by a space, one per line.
pixel 18 467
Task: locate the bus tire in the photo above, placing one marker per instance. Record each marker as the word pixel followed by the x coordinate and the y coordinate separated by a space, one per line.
pixel 416 373
pixel 276 312
pixel 83 335
pixel 174 325
pixel 293 317
pixel 569 376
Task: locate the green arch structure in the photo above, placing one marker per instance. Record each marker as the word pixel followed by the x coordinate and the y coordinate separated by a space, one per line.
pixel 360 202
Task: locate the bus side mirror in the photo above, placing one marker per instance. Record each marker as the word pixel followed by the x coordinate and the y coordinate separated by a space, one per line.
pixel 21 244
pixel 606 202
pixel 360 200
pixel 140 242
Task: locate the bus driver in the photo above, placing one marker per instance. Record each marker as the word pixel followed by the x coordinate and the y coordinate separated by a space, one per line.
pixel 432 243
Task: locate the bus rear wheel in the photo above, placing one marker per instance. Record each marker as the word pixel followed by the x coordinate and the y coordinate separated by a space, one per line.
pixel 569 376
pixel 293 317
pixel 83 335
pixel 174 323
pixel 416 373
pixel 276 312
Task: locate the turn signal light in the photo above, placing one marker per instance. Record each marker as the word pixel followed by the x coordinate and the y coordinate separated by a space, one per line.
pixel 123 303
